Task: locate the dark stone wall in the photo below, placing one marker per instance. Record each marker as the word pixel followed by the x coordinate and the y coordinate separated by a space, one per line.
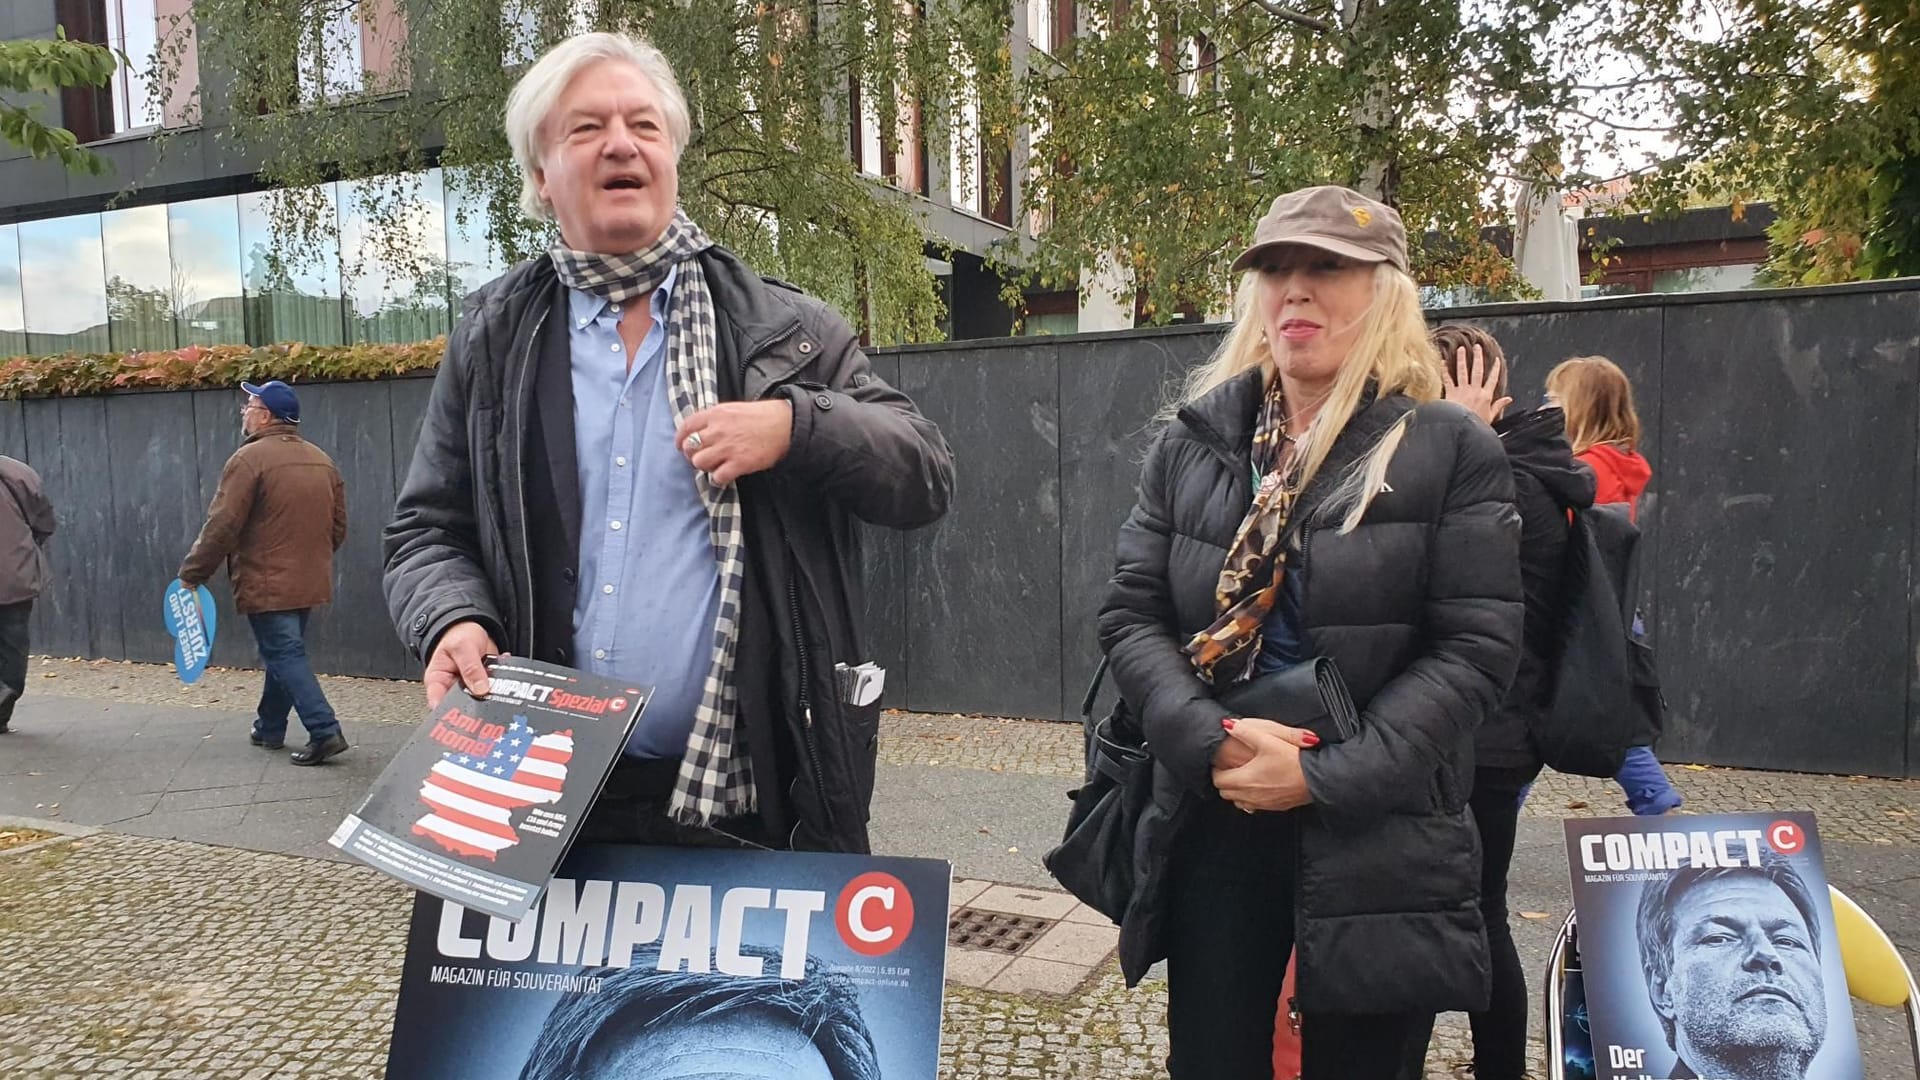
pixel 1782 524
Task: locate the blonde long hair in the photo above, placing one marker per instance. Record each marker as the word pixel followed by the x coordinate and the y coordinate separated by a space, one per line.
pixel 1392 350
pixel 1598 400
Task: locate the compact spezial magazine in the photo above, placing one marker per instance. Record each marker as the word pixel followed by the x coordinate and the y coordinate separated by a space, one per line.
pixel 648 961
pixel 484 800
pixel 1708 949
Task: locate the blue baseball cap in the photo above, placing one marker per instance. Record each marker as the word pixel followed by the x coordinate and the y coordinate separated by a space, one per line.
pixel 279 399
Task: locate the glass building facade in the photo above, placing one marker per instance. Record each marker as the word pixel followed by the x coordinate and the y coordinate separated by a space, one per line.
pixel 392 269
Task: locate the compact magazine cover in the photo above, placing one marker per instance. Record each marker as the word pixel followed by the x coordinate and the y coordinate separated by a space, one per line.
pixel 484 800
pixel 642 961
pixel 1708 949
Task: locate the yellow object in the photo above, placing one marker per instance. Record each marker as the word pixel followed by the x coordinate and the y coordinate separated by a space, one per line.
pixel 1875 972
pixel 1361 217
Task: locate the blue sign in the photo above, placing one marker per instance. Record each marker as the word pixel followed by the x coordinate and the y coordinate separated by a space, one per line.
pixel 190 619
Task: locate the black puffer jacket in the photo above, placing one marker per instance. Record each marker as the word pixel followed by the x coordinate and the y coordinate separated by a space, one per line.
pixel 487 524
pixel 1547 482
pixel 1420 609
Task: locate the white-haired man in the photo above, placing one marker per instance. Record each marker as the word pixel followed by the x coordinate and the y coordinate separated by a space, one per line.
pixel 643 459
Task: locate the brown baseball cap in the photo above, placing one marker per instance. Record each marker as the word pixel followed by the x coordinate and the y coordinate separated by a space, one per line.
pixel 1334 219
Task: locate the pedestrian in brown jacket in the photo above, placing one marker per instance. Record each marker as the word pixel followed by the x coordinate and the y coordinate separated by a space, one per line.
pixel 26 522
pixel 277 519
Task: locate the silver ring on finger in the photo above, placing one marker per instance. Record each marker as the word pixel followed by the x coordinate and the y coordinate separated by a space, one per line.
pixel 693 440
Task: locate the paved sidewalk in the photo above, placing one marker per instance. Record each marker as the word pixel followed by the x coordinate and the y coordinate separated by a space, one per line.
pixel 186 938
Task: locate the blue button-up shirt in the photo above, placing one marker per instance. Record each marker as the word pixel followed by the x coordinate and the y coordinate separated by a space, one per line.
pixel 649 584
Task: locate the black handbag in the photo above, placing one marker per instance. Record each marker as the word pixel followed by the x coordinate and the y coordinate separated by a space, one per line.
pixel 1095 859
pixel 1605 697
pixel 1309 694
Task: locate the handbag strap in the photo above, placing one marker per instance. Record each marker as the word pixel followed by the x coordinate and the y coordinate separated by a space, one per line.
pixel 1093 689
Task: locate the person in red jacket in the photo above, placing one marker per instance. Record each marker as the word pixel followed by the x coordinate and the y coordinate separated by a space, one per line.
pixel 1605 432
pixel 1603 427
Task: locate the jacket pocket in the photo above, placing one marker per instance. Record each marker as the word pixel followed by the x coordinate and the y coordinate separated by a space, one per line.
pixel 863 752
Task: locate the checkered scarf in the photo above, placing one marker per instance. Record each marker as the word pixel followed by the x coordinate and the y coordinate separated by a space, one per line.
pixel 716 775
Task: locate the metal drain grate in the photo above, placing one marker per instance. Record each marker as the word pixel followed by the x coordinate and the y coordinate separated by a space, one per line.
pixel 994 931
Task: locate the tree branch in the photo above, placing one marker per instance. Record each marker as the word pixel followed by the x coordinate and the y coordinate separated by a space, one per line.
pixel 1318 26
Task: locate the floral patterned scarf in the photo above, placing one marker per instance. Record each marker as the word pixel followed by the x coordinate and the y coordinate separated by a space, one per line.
pixel 1250 577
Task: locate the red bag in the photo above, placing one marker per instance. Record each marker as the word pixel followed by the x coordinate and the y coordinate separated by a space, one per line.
pixel 1286 1032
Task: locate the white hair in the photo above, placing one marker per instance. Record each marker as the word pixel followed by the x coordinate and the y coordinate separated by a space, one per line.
pixel 539 90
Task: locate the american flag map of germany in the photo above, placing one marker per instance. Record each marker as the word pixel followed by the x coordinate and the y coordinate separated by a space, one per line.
pixel 471 797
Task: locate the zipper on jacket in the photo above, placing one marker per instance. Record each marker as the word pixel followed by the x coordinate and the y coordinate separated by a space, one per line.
pixel 803 660
pixel 519 393
pixel 806 675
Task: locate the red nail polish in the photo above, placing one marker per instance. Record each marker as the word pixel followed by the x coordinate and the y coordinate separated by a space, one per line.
pixel 1310 739
pixel 1227 722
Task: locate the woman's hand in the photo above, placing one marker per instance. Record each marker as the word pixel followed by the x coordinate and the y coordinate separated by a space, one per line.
pixel 1232 753
pixel 1472 385
pixel 1270 779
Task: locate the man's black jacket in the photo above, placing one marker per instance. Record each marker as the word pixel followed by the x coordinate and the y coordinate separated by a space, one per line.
pixel 487 524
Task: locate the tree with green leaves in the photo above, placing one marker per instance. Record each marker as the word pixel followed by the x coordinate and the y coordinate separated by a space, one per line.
pixel 767 172
pixel 1166 127
pixel 1158 132
pixel 1164 131
pixel 1813 105
pixel 47 67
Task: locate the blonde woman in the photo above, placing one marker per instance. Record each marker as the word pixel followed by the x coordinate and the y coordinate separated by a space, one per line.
pixel 1312 498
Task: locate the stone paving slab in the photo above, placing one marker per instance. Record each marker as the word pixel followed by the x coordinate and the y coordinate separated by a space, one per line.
pixel 126 956
pixel 983 791
pixel 1873 809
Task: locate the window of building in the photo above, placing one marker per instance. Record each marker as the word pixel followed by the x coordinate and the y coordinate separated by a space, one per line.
pixel 964 186
pixel 869 148
pixel 296 296
pixel 1038 217
pixel 1050 23
pixel 900 161
pixel 13 316
pixel 180 102
pixel 1629 287
pixel 394 269
pixel 332 61
pixel 473 256
pixel 63 287
pixel 131 100
pixel 209 301
pixel 1065 322
pixel 1706 278
pixel 996 180
pixel 133 28
pixel 526 27
pixel 141 302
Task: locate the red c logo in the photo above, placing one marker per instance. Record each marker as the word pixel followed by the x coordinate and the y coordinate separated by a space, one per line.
pixel 874 914
pixel 1786 838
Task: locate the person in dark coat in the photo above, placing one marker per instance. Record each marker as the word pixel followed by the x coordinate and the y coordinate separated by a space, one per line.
pixel 1547 482
pixel 1312 497
pixel 26 524
pixel 642 458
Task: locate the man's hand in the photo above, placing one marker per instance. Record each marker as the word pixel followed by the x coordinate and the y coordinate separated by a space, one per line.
pixel 458 660
pixel 737 439
pixel 1471 385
